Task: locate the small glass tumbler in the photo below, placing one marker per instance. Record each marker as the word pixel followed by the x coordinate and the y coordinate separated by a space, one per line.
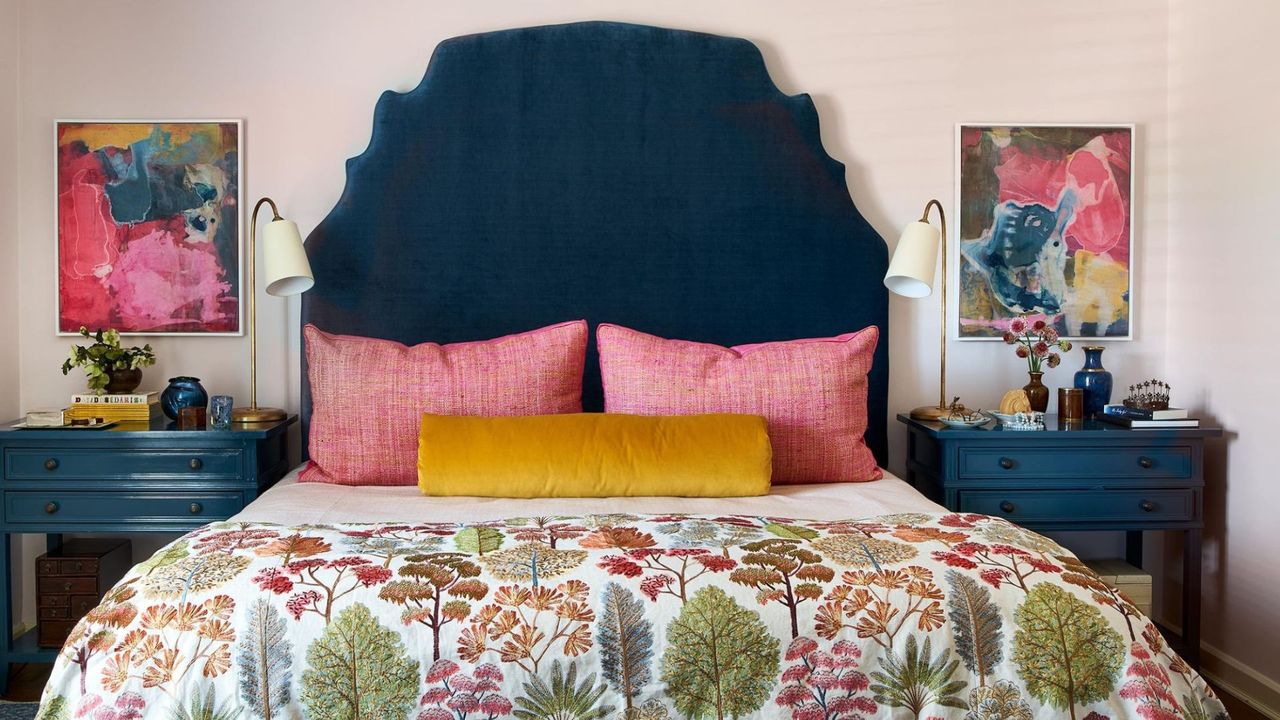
pixel 220 412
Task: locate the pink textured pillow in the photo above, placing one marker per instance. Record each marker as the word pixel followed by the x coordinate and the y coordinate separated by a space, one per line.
pixel 813 393
pixel 368 395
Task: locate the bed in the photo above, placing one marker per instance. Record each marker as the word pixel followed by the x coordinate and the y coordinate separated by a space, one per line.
pixel 656 178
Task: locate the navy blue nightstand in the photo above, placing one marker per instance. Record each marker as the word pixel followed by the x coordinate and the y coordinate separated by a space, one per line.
pixel 131 478
pixel 1086 476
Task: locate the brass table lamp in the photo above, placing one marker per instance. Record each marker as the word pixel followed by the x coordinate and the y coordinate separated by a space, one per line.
pixel 287 272
pixel 911 274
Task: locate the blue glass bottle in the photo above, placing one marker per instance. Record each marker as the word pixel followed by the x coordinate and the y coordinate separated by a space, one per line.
pixel 1095 380
pixel 183 392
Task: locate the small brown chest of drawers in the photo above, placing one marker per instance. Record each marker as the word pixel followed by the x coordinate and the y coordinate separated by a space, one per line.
pixel 71 580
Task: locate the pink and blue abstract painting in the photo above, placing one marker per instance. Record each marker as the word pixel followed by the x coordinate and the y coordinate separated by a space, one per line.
pixel 1046 228
pixel 148 226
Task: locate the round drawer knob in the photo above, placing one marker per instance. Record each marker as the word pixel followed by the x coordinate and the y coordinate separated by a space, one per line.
pixel 51 508
pixel 1006 463
pixel 196 508
pixel 1146 463
pixel 196 463
pixel 1147 506
pixel 66 587
pixel 1007 506
pixel 79 567
pixel 51 464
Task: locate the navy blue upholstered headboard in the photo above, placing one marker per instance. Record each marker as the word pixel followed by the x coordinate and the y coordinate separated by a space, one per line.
pixel 619 173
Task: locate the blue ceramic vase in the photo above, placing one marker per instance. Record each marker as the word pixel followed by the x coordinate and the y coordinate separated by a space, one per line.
pixel 183 392
pixel 1095 380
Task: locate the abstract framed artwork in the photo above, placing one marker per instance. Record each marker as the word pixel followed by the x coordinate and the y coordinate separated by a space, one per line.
pixel 148 226
pixel 1046 228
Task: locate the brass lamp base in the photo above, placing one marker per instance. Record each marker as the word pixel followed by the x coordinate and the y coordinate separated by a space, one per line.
pixel 256 414
pixel 929 413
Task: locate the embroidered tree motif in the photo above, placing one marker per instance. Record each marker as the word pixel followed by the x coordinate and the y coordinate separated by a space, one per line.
pixel 1002 564
pixel 881 603
pixel 1079 574
pixel 532 562
pixel 998 701
pixel 358 669
pixel 528 622
pixel 294 547
pixel 917 679
pixel 478 540
pixel 564 698
pixel 721 660
pixel 722 532
pixel 546 530
pixel 781 571
pixel 626 643
pixel 1066 652
pixel 428 580
pixel 229 541
pixel 265 657
pixel 114 613
pixel 192 574
pixel 204 706
pixel 388 542
pixel 821 685
pixel 670 571
pixel 171 641
pixel 977 625
pixel 127 706
pixel 619 538
pixel 1149 687
pixel 862 551
pixel 455 695
pixel 320 583
pixel 1203 703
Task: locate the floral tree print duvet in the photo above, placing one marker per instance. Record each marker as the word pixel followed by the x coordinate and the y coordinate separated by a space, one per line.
pixel 620 616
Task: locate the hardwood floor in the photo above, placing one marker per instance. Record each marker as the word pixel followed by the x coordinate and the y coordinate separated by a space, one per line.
pixel 27 681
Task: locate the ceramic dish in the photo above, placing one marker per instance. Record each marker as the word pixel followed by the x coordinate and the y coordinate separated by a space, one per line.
pixel 1003 417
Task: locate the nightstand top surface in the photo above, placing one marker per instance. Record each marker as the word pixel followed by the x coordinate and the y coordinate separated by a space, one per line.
pixel 1081 429
pixel 159 428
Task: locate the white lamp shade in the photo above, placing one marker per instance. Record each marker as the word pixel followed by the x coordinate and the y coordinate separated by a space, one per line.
pixel 285 267
pixel 915 261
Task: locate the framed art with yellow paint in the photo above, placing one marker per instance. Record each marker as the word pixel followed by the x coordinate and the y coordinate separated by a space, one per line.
pixel 148 226
pixel 1046 228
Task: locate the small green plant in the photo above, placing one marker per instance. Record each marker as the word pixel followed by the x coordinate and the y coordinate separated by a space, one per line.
pixel 105 355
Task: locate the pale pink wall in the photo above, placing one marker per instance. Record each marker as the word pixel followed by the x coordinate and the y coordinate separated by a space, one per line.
pixel 1224 155
pixel 9 405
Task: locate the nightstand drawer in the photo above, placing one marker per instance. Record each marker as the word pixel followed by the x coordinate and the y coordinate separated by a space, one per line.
pixel 118 507
pixel 1160 505
pixel 86 463
pixel 1092 462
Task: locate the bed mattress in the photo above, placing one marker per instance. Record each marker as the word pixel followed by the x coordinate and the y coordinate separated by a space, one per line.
pixel 291 502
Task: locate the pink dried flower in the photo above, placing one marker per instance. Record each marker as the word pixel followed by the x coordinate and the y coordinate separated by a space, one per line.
pixel 1054 360
pixel 1041 349
pixel 1009 338
pixel 1049 335
pixel 1018 325
pixel 1022 351
pixel 1038 326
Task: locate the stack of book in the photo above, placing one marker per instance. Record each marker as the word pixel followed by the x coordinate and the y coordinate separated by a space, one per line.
pixel 133 407
pixel 1144 418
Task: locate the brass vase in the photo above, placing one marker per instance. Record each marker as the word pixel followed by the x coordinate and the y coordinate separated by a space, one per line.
pixel 1037 393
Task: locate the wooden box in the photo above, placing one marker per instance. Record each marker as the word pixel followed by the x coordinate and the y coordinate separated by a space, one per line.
pixel 71 580
pixel 1134 582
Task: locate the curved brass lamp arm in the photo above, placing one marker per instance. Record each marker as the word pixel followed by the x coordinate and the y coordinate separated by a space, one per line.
pixel 942 324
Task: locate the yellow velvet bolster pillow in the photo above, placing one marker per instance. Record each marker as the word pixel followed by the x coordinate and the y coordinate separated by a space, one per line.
pixel 594 455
